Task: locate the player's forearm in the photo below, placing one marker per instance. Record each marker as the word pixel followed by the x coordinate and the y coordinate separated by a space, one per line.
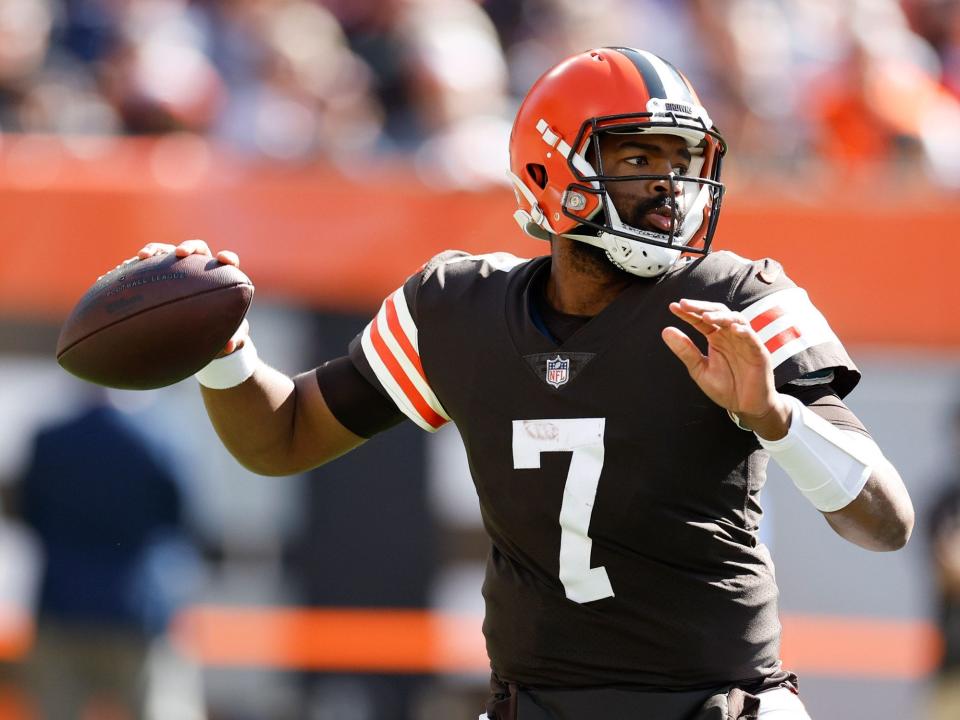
pixel 881 517
pixel 844 474
pixel 256 420
pixel 275 425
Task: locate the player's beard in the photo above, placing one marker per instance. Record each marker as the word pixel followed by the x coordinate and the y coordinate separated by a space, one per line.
pixel 593 261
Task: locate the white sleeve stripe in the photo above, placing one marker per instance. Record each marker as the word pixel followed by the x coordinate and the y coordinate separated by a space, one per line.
pixel 790 300
pixel 386 379
pixel 777 326
pixel 806 324
pixel 406 320
pixel 408 369
pixel 806 340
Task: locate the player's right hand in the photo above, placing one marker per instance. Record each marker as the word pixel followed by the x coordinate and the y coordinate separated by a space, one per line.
pixel 199 247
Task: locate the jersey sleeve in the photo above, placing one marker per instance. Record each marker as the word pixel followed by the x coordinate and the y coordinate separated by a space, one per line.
pixel 387 353
pixel 358 404
pixel 802 345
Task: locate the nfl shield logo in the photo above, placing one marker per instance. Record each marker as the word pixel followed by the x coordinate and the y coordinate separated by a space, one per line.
pixel 558 371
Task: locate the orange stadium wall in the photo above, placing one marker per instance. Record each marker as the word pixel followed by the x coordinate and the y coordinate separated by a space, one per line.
pixel 316 236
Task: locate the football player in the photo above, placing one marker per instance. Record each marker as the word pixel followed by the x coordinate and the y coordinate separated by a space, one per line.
pixel 618 458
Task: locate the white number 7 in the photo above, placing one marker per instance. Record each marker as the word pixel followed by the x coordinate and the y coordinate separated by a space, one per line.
pixel 584 438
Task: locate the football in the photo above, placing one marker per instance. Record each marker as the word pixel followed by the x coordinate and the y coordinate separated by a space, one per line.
pixel 151 323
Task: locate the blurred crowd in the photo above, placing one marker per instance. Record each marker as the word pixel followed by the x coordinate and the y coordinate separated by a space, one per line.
pixel 793 84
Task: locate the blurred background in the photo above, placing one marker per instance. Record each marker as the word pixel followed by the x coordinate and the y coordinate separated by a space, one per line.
pixel 337 145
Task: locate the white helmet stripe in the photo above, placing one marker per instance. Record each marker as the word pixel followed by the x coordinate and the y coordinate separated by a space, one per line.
pixel 673 85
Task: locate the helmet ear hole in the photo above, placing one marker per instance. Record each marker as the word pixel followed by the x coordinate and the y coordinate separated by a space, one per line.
pixel 537 173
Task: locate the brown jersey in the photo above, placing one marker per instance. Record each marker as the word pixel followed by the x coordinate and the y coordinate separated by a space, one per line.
pixel 621 502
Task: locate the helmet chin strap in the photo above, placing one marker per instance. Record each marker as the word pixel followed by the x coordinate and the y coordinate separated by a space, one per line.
pixel 642 256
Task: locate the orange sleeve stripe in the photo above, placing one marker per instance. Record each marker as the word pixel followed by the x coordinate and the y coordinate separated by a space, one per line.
pixel 400 377
pixel 393 322
pixel 766 317
pixel 781 339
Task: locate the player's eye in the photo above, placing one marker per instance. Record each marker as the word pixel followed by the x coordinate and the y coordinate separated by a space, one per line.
pixel 680 170
pixel 639 160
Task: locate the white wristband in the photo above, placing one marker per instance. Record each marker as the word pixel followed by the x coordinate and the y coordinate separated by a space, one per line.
pixel 828 465
pixel 230 370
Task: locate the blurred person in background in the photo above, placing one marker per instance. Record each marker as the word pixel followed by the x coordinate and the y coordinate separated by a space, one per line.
pixel 944 527
pixel 25 27
pixel 749 51
pixel 939 22
pixel 881 104
pixel 295 90
pixel 441 79
pixel 44 86
pixel 106 504
pixel 157 74
pixel 540 33
pixel 458 84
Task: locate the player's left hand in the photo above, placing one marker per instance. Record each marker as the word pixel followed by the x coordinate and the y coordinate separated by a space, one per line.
pixel 736 373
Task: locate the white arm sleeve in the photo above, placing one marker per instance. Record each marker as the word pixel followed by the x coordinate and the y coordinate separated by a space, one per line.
pixel 828 465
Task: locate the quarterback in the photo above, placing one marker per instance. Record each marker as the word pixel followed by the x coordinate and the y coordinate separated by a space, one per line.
pixel 619 400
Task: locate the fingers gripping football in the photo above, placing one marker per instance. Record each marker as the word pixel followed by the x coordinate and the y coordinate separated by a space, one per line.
pixel 736 373
pixel 151 249
pixel 188 247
